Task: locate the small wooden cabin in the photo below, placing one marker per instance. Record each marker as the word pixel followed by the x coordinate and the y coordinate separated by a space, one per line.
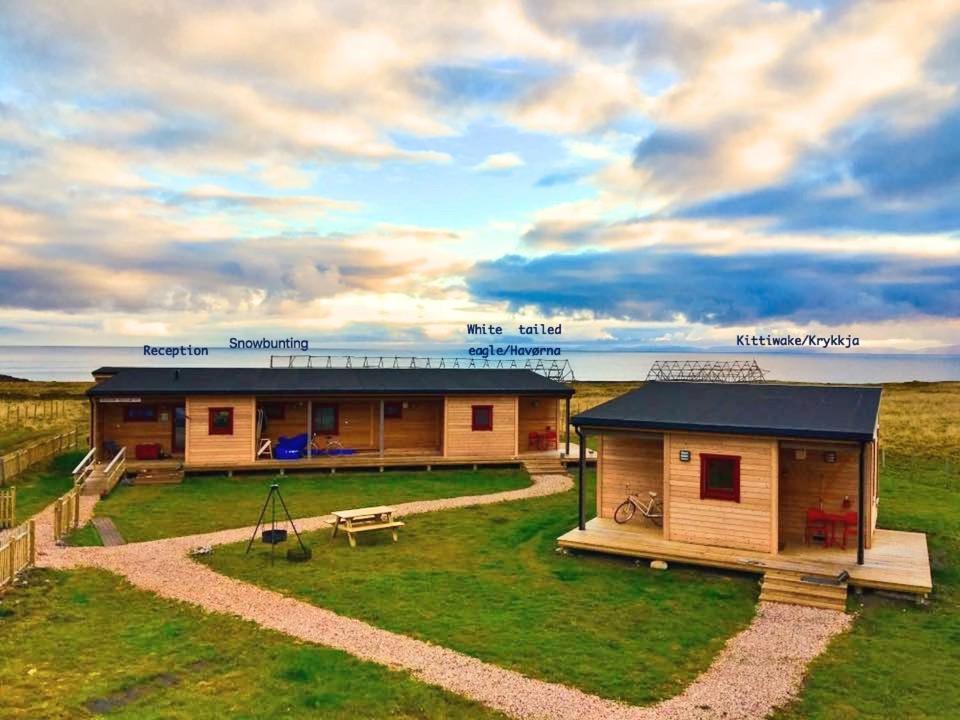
pixel 219 418
pixel 749 467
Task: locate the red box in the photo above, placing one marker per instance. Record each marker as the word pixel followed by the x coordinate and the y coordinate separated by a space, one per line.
pixel 149 451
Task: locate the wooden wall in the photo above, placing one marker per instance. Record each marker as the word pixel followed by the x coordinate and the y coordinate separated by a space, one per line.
pixel 294 421
pixel 462 441
pixel 111 426
pixel 536 414
pixel 420 427
pixel 628 464
pixel 803 482
pixel 749 524
pixel 206 449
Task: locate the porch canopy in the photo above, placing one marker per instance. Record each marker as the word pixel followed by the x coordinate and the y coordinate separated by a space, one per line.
pixel 842 413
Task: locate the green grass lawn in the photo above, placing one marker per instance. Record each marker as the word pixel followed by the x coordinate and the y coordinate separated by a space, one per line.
pixel 900 661
pixel 41 485
pixel 86 643
pixel 204 503
pixel 488 582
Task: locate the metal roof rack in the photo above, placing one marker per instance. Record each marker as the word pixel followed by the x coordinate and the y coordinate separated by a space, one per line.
pixel 559 370
pixel 727 371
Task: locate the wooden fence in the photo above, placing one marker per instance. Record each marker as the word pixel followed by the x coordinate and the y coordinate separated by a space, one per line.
pixel 17 411
pixel 19 461
pixel 18 551
pixel 8 507
pixel 66 512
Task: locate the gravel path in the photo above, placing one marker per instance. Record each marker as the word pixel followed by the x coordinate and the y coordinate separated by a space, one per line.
pixel 758 670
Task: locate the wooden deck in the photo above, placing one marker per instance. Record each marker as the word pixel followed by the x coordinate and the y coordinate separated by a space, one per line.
pixel 898 561
pixel 359 461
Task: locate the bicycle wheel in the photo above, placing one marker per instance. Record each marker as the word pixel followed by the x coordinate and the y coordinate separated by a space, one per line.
pixel 624 512
pixel 655 514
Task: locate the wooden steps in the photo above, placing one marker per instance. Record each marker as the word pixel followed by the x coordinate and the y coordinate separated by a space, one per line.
pixel 795 588
pixel 540 465
pixel 159 476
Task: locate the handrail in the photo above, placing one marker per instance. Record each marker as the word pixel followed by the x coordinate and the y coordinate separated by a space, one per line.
pixel 82 465
pixel 116 458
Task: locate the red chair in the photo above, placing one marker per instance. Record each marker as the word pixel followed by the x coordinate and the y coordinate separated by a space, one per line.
pixel 550 439
pixel 850 522
pixel 533 440
pixel 818 523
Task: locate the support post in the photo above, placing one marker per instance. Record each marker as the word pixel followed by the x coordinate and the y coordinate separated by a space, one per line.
pixel 381 427
pixel 568 426
pixel 581 517
pixel 309 429
pixel 861 534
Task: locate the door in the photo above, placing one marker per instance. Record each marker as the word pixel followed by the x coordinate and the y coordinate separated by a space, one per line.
pixel 178 442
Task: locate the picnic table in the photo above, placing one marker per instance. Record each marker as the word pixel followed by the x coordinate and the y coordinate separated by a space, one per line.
pixel 359 520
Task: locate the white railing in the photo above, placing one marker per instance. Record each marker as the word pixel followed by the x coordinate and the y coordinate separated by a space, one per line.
pixel 114 471
pixel 84 467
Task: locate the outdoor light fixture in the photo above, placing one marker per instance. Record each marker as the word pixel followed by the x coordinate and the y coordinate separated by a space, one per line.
pixel 800 454
pixel 830 456
pixel 684 456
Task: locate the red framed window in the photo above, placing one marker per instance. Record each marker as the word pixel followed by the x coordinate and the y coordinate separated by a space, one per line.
pixel 220 420
pixel 481 417
pixel 393 409
pixel 139 413
pixel 326 419
pixel 720 477
pixel 275 410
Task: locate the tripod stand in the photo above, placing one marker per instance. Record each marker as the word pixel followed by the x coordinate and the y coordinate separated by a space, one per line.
pixel 273 535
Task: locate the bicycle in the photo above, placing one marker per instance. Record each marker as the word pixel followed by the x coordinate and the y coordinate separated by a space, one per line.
pixel 652 509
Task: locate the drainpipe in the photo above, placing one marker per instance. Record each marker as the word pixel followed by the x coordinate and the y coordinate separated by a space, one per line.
pixel 582 439
pixel 861 532
pixel 568 426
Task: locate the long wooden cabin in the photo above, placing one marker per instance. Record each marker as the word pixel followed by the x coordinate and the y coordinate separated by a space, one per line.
pixel 220 418
pixel 749 477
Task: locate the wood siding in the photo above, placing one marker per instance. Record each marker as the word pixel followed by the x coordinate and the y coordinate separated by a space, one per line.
pixel 419 428
pixel 628 464
pixel 206 449
pixel 110 426
pixel 747 524
pixel 463 441
pixel 536 414
pixel 805 482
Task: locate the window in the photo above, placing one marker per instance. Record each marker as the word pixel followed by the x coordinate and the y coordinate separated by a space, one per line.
pixel 393 409
pixel 482 417
pixel 274 410
pixel 719 477
pixel 220 420
pixel 326 420
pixel 139 413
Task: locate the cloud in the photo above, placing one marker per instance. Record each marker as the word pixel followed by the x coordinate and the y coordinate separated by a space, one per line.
pixel 669 286
pixel 499 162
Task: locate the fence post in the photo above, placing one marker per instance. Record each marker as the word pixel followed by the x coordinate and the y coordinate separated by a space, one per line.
pixel 33 541
pixel 76 507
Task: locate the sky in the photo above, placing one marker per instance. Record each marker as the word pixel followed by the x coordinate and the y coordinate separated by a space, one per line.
pixel 649 174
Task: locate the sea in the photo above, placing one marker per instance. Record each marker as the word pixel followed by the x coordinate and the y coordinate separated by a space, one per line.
pixel 76 363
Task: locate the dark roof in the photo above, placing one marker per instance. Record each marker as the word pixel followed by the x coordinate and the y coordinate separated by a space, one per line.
pixel 325 381
pixel 837 412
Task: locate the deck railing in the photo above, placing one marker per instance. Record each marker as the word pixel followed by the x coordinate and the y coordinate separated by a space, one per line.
pixel 559 370
pixel 83 469
pixel 18 551
pixel 114 472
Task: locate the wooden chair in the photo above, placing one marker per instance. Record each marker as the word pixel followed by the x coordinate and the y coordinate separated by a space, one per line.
pixel 850 522
pixel 817 524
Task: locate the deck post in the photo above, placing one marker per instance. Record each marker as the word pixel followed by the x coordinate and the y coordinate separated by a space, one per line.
pixel 861 539
pixel 568 426
pixel 582 438
pixel 381 427
pixel 309 429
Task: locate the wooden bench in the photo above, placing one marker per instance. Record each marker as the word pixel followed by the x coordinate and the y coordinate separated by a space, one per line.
pixel 367 519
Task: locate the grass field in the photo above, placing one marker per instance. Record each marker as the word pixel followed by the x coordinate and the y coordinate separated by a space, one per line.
pixel 42 484
pixel 204 503
pixel 85 644
pixel 601 624
pixel 33 410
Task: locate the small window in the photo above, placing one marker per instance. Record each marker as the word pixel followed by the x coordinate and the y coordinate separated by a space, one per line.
pixel 274 410
pixel 393 409
pixel 482 417
pixel 221 421
pixel 139 413
pixel 719 477
pixel 325 420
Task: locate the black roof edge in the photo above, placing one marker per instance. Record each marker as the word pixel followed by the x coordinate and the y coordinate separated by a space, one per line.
pixel 96 391
pixel 729 429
